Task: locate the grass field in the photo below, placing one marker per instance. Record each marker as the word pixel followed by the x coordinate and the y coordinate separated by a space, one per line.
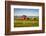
pixel 26 23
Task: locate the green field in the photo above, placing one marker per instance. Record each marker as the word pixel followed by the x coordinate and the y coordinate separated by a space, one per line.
pixel 26 23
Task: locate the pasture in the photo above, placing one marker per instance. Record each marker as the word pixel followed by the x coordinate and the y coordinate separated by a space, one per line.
pixel 26 23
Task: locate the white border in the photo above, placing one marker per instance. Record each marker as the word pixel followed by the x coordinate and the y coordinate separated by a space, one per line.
pixel 25 28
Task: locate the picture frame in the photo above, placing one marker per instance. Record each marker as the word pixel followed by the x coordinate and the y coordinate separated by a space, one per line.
pixel 10 5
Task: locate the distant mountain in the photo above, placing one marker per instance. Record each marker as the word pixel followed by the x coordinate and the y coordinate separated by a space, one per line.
pixel 32 16
pixel 26 16
pixel 20 16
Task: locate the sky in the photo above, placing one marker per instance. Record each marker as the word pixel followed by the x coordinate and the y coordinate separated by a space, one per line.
pixel 27 12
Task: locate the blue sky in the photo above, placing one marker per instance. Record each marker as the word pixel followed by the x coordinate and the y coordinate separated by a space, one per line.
pixel 27 12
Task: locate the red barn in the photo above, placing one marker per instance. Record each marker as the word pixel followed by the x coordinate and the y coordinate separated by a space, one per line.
pixel 23 17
